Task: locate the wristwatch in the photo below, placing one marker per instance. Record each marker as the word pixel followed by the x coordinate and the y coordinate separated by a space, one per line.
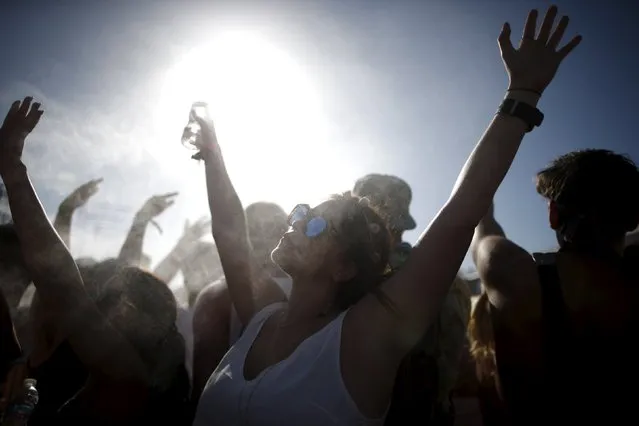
pixel 528 113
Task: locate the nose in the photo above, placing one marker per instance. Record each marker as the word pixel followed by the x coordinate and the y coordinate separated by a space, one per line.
pixel 299 225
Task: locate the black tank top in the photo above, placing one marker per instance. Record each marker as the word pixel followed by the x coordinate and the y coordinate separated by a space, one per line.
pixel 590 370
pixel 59 378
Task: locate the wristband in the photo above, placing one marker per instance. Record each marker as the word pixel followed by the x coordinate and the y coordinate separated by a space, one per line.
pixel 528 113
pixel 525 90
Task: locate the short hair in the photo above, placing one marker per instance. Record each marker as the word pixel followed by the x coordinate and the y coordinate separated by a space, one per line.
pixel 597 184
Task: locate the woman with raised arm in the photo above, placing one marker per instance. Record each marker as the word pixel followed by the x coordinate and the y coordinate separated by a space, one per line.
pixel 330 354
pixel 104 335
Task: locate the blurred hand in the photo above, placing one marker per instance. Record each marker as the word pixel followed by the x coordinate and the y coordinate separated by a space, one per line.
pixel 13 385
pixel 155 206
pixel 81 195
pixel 534 64
pixel 194 232
pixel 208 139
pixel 19 122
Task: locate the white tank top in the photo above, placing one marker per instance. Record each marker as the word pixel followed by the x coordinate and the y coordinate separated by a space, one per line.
pixel 235 325
pixel 304 389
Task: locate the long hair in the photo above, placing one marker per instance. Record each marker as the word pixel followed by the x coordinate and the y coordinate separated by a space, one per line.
pixel 482 339
pixel 365 237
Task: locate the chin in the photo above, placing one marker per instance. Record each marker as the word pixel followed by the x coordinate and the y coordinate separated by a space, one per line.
pixel 282 258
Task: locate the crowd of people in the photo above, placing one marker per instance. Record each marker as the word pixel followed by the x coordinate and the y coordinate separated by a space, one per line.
pixel 326 315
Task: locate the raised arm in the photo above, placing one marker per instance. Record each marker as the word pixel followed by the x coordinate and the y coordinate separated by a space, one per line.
pixel 418 289
pixel 173 262
pixel 131 251
pixel 52 268
pixel 243 275
pixel 69 205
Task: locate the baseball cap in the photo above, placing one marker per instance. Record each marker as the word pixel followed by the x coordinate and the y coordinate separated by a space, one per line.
pixel 392 195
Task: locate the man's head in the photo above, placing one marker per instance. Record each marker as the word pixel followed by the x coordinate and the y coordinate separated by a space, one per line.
pixel 267 223
pixel 593 196
pixel 392 197
pixel 201 267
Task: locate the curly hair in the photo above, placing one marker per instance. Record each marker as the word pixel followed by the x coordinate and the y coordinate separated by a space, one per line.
pixel 364 235
pixel 597 186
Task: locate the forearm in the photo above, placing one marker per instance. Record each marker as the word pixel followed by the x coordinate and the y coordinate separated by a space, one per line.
pixel 168 267
pixel 440 251
pixel 131 251
pixel 62 224
pixel 46 257
pixel 225 206
pixel 231 235
pixel 488 164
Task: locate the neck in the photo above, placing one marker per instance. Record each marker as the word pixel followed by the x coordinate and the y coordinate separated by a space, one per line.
pixel 310 298
pixel 268 267
pixel 616 247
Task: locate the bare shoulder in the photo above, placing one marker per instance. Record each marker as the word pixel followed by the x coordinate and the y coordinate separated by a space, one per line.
pixel 212 299
pixel 509 274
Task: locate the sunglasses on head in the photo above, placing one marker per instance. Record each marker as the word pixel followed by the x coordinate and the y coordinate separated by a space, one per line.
pixel 314 226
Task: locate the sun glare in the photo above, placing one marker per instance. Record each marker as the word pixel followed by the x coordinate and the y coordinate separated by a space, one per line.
pixel 267 112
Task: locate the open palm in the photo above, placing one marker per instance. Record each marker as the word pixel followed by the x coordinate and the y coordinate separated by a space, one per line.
pixel 533 65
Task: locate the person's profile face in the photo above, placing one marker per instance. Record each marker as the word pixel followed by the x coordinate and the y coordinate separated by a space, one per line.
pixel 310 244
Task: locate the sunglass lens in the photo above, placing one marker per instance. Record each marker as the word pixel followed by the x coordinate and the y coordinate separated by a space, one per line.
pixel 315 226
pixel 299 213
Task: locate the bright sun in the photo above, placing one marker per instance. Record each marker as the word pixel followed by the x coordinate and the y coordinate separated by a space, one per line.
pixel 268 116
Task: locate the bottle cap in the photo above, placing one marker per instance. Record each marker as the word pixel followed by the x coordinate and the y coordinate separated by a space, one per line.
pixel 30 382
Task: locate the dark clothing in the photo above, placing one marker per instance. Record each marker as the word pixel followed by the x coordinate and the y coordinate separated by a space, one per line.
pixel 66 399
pixel 588 370
pixel 59 378
pixel 9 347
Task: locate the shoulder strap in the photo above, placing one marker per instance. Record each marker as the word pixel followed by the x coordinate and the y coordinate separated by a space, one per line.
pixel 552 298
pixel 555 325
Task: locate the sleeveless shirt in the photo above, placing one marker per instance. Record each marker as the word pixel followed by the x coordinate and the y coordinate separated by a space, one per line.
pixel 304 389
pixel 235 325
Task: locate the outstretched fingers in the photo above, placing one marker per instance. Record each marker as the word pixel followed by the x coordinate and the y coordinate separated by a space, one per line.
pixel 547 24
pixel 24 107
pixel 34 115
pixel 505 43
pixel 531 25
pixel 558 34
pixel 565 51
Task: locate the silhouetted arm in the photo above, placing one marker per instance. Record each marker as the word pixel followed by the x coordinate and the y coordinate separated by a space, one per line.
pixel 62 224
pixel 131 250
pixel 243 275
pixel 54 272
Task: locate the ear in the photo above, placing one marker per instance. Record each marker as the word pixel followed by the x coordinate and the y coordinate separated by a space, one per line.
pixel 553 215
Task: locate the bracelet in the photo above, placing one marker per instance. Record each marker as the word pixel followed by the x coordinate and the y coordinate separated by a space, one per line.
pixel 525 90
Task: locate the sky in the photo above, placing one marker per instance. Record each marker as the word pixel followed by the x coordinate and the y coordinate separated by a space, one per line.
pixel 306 97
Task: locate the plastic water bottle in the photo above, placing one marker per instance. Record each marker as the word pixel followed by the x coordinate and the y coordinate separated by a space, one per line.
pixel 191 134
pixel 18 413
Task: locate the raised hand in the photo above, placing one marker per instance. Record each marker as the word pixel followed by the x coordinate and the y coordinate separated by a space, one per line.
pixel 156 205
pixel 193 232
pixel 82 194
pixel 21 119
pixel 533 65
pixel 208 138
